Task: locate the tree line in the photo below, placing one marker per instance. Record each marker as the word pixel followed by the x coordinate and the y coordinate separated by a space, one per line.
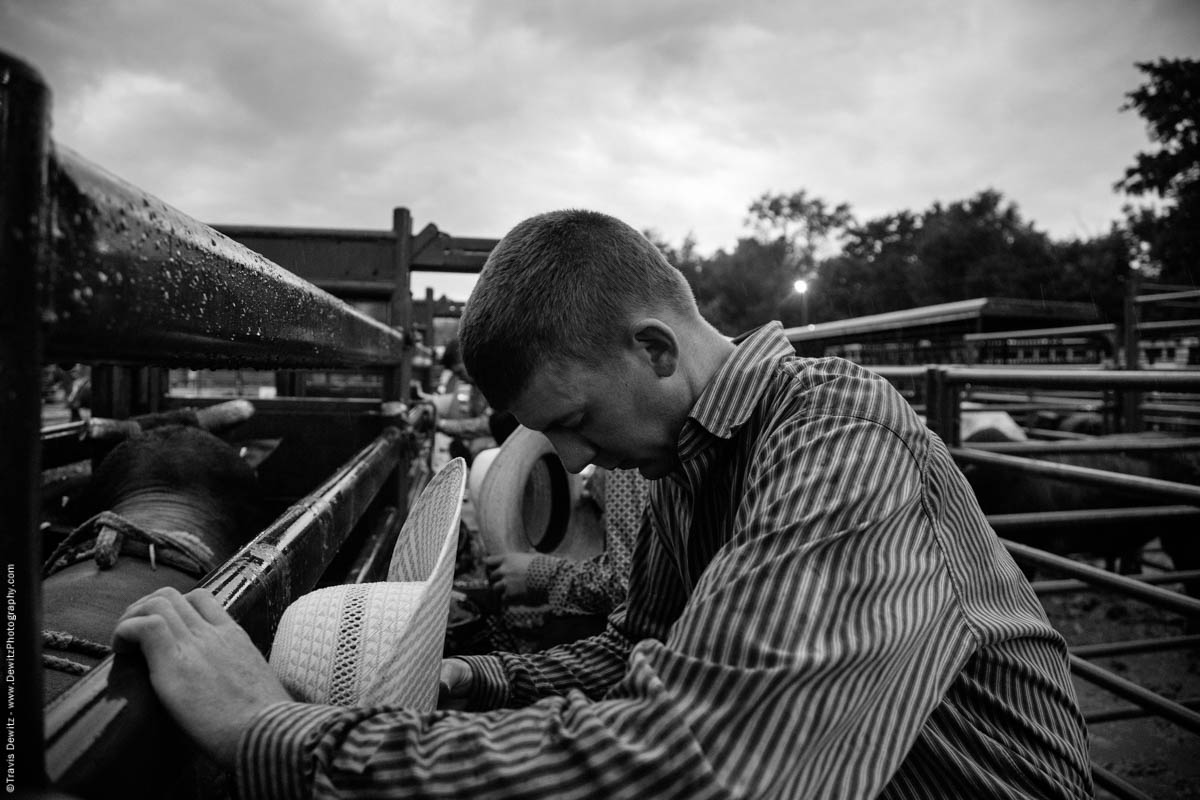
pixel 976 247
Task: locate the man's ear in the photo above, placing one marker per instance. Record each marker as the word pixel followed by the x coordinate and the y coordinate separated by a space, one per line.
pixel 656 341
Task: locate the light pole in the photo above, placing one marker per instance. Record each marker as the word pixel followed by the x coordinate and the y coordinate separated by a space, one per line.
pixel 801 288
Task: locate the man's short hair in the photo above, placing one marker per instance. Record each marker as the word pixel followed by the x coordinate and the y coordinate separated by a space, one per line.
pixel 559 286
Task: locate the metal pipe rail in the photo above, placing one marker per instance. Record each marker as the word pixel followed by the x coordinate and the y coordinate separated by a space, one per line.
pixel 1121 713
pixel 1164 380
pixel 1068 585
pixel 132 280
pixel 1036 520
pixel 1096 477
pixel 1118 786
pixel 1168 709
pixel 1106 445
pixel 1098 577
pixel 1136 646
pixel 103 732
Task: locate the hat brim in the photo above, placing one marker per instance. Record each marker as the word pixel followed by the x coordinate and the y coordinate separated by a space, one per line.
pixel 373 644
pixel 524 499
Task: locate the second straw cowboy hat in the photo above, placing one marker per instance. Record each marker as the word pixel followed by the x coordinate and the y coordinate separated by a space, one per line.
pixel 371 644
pixel 522 495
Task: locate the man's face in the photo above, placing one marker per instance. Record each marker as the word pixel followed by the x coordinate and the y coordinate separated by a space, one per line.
pixel 616 415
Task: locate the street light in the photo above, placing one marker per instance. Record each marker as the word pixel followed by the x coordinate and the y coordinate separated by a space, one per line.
pixel 801 287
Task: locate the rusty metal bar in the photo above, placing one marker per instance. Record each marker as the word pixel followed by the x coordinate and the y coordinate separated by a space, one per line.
pixel 133 280
pixel 1168 709
pixel 110 723
pixel 24 216
pixel 1102 445
pixel 1180 381
pixel 1109 580
pixel 1128 712
pixel 1069 472
pixel 1136 646
pixel 1068 585
pixel 1033 520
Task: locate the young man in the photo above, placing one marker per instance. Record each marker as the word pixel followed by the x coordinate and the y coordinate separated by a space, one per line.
pixel 817 607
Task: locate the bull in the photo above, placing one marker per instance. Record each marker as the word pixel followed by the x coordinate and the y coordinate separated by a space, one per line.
pixel 1119 543
pixel 163 508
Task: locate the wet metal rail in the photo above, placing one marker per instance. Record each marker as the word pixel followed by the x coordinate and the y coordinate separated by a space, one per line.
pixel 133 280
pixel 108 726
pixel 94 269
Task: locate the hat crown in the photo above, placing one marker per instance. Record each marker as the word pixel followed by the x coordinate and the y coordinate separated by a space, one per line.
pixel 371 644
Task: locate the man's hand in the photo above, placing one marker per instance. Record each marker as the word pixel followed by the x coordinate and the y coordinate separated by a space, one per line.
pixel 454 684
pixel 509 574
pixel 203 666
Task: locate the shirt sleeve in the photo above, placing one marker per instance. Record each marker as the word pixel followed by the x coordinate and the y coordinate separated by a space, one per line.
pixel 597 585
pixel 466 426
pixel 781 677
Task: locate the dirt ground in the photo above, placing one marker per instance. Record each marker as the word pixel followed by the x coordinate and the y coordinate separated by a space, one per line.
pixel 1160 758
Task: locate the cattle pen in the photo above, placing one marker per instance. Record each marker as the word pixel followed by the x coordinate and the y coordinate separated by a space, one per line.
pixel 95 270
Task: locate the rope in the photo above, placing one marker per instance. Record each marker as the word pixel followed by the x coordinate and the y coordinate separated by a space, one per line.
pixel 61 640
pixel 64 665
pixel 107 535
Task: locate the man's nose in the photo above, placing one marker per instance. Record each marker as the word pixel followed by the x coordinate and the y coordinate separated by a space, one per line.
pixel 573 450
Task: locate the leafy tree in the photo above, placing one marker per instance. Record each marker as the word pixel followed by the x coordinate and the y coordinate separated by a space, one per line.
pixel 802 223
pixel 1169 101
pixel 743 289
pixel 871 274
pixel 685 258
pixel 979 247
pixel 970 248
pixel 1092 271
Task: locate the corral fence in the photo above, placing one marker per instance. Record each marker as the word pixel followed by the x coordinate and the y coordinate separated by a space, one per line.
pixel 946 390
pixel 95 270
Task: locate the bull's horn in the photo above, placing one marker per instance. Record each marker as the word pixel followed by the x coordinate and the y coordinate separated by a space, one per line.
pixel 105 429
pixel 224 415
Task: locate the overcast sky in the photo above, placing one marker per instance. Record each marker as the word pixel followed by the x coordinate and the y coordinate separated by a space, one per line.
pixel 672 115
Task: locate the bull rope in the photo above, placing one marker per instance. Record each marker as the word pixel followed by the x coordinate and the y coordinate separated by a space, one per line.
pixel 104 538
pixel 179 549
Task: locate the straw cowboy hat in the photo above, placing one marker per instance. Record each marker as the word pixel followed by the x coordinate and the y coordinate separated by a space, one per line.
pixel 371 644
pixel 523 495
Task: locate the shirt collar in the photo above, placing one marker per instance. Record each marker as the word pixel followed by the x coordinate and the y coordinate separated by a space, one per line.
pixel 729 398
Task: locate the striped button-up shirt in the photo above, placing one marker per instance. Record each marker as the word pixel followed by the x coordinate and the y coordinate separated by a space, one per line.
pixel 817 609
